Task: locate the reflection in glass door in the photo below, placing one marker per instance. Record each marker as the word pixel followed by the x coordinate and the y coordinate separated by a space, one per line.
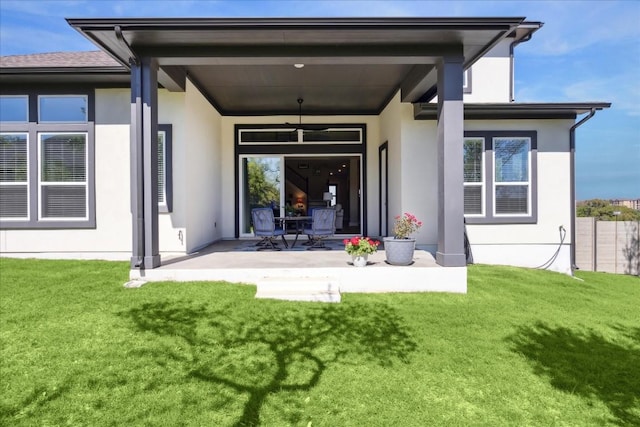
pixel 261 183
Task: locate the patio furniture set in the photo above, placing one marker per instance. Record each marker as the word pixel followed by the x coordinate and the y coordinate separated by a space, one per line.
pixel 320 225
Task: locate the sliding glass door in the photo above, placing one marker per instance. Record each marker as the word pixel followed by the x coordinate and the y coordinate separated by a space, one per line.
pixel 261 186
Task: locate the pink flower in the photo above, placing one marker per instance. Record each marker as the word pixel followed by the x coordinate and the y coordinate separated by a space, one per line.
pixel 405 225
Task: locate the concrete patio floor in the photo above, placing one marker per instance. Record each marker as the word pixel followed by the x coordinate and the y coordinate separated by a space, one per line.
pixel 223 261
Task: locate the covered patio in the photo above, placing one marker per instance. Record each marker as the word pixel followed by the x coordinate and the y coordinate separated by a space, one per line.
pixel 253 70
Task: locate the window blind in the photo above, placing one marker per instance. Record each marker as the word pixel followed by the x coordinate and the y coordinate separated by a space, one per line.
pixel 63 162
pixel 14 191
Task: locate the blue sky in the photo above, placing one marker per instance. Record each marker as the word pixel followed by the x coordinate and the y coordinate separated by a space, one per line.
pixel 586 51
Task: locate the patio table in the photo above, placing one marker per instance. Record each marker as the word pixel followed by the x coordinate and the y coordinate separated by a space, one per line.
pixel 297 221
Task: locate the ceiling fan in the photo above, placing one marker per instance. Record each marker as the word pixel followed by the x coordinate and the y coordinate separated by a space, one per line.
pixel 309 127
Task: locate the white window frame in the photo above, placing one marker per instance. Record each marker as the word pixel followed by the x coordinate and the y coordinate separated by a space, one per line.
pixel 482 183
pixel 512 183
pixel 18 183
pixel 84 183
pixel 86 113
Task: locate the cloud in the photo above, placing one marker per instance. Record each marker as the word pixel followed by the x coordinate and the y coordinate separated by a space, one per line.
pixel 571 26
pixel 621 90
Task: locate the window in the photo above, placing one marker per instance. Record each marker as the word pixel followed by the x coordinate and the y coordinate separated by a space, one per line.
pixel 14 178
pixel 47 163
pixel 316 134
pixel 165 187
pixel 473 176
pixel 511 160
pixel 506 192
pixel 63 176
pixel 62 109
pixel 14 108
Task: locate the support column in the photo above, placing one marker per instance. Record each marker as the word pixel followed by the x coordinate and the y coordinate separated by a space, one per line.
pixel 450 251
pixel 144 163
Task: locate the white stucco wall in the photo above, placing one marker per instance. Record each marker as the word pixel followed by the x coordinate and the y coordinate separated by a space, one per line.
pixel 391 132
pixel 203 179
pixel 490 76
pixel 172 225
pixel 111 239
pixel 531 245
pixel 413 169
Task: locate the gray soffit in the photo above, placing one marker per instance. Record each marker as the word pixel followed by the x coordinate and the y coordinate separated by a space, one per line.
pixel 491 111
pixel 352 65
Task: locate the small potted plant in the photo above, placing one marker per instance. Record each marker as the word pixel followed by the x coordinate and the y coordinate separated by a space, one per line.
pixel 399 248
pixel 359 248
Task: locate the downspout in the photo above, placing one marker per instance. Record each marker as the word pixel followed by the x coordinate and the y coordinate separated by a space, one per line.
pixel 137 175
pixel 132 55
pixel 572 177
pixel 512 47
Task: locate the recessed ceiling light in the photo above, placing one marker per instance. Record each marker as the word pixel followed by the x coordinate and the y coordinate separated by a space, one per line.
pixel 298 65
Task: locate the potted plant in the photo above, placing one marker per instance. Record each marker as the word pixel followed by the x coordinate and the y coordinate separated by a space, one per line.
pixel 399 248
pixel 359 248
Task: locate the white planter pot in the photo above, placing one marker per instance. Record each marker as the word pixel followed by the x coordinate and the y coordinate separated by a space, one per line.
pixel 360 260
pixel 399 251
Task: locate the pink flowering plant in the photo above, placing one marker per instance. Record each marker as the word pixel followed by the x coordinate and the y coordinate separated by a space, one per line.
pixel 405 225
pixel 358 246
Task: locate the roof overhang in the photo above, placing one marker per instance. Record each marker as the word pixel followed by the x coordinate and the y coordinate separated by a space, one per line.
pixel 98 76
pixel 351 65
pixel 495 111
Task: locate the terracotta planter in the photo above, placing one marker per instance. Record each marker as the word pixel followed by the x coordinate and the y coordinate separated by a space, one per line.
pixel 399 251
pixel 360 260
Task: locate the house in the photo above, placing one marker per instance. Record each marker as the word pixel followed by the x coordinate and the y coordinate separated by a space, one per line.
pixel 629 203
pixel 146 147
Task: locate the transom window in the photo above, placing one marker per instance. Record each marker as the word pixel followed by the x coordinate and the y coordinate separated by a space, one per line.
pixel 319 134
pixel 500 169
pixel 62 109
pixel 14 108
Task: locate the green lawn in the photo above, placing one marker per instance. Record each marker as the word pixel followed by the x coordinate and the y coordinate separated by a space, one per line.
pixel 523 347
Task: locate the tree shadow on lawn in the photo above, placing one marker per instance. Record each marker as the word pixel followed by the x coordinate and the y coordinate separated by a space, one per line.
pixel 587 364
pixel 270 348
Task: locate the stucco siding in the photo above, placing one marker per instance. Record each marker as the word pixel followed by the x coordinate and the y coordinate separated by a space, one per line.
pixel 490 76
pixel 553 199
pixel 391 132
pixel 203 179
pixel 111 238
pixel 420 175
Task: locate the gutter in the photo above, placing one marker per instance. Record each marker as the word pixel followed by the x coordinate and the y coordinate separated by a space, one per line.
pixel 572 177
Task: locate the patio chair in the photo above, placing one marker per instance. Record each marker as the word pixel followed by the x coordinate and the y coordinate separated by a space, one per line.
pixel 264 226
pixel 323 225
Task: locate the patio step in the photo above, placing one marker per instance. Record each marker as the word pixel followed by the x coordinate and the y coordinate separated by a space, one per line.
pixel 299 289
